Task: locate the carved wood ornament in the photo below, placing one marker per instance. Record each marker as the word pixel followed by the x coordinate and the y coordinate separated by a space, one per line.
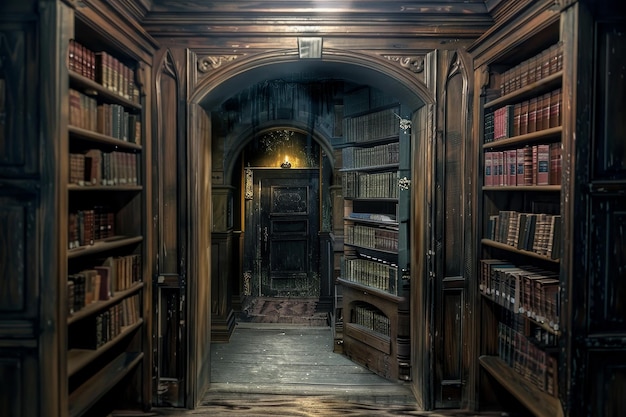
pixel 209 63
pixel 412 63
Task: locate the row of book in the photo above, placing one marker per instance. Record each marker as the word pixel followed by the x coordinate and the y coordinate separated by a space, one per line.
pixel 535 232
pixel 387 154
pixel 104 69
pixel 95 332
pixel 371 273
pixel 530 165
pixel 540 66
pixel 101 282
pixel 108 119
pixel 382 124
pixel 96 167
pixel 85 227
pixel 371 318
pixel 534 364
pixel 371 237
pixel 370 185
pixel 527 290
pixel 528 116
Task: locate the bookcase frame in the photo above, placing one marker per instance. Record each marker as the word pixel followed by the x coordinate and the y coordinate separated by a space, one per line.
pixel 530 32
pixel 114 373
pixel 375 308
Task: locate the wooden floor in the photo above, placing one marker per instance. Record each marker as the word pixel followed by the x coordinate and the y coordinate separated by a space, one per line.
pixel 290 370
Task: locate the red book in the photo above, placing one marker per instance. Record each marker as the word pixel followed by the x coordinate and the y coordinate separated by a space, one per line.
pixel 532 115
pixel 517 115
pixel 105 282
pixel 523 125
pixel 544 119
pixel 511 163
pixel 555 163
pixel 555 108
pixel 528 165
pixel 543 164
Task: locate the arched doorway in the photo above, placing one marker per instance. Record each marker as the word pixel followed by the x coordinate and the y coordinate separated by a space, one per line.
pixel 367 70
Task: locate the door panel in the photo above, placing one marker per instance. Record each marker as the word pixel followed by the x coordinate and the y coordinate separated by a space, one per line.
pixel 288 226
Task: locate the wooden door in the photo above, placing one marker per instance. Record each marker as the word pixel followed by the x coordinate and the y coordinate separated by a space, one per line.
pixel 452 238
pixel 287 232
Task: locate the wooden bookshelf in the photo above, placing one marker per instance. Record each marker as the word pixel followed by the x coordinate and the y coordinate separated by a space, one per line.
pixel 375 234
pixel 520 154
pixel 105 196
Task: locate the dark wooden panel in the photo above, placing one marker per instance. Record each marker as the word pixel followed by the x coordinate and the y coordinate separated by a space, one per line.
pixel 10 371
pixel 610 146
pixel 17 254
pixel 607 310
pixel 17 135
pixel 169 175
pixel 19 393
pixel 607 379
pixel 452 344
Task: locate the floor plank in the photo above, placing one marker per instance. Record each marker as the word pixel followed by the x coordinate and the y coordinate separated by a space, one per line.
pixel 287 370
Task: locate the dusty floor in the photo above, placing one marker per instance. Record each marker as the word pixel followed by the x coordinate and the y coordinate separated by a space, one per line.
pixel 280 362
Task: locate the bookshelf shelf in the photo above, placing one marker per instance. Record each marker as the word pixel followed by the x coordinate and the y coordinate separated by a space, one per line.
pixel 509 248
pixel 77 359
pixel 392 225
pixel 77 133
pixel 100 383
pixel 371 168
pixel 380 199
pixel 94 88
pixel 373 251
pixel 538 402
pixel 105 245
pixel 545 135
pixel 371 291
pixel 102 305
pixel 530 188
pixel 104 188
pixel 546 84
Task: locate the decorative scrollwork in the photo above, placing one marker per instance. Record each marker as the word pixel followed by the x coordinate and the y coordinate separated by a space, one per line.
pixel 404 183
pixel 412 63
pixel 405 124
pixel 213 62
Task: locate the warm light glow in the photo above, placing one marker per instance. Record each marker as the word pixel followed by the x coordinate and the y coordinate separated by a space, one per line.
pixel 286 163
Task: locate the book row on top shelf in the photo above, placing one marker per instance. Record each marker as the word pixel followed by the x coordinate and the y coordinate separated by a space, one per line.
pixel 379 125
pixel 103 68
